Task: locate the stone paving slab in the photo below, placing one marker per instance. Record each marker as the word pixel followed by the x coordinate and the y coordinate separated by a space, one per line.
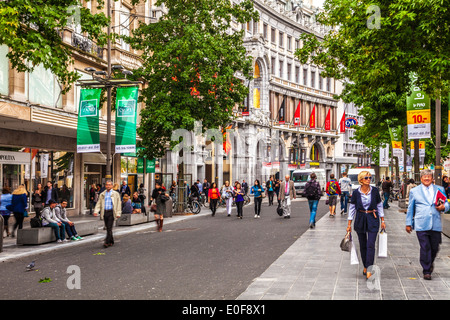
pixel 314 267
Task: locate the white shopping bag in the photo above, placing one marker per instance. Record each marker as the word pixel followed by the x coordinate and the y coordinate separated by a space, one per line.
pixel 353 255
pixel 382 244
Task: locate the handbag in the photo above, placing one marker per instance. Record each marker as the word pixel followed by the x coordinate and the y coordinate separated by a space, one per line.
pixel 346 243
pixel 280 210
pixel 153 208
pixel 36 222
pixel 382 244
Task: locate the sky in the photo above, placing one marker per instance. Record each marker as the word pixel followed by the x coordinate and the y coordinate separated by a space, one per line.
pixel 318 3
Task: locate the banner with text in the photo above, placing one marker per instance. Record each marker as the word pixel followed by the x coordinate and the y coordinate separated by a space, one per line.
pixel 126 109
pixel 418 113
pixel 396 140
pixel 88 135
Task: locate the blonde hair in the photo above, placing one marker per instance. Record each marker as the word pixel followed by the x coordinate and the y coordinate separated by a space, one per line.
pixel 115 186
pixel 125 198
pixel 20 190
pixel 361 176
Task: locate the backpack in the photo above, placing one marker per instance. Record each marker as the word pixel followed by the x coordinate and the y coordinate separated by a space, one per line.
pixel 332 187
pixel 36 222
pixel 311 191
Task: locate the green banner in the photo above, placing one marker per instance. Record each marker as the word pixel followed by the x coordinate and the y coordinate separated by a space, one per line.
pixel 150 166
pixel 126 109
pixel 418 113
pixel 88 136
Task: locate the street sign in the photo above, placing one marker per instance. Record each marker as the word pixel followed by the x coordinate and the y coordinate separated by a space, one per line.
pixel 350 122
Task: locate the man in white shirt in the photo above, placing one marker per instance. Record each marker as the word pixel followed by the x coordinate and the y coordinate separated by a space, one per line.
pixel 346 187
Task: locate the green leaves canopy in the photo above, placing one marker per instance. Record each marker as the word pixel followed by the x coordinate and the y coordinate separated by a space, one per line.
pixel 30 28
pixel 376 63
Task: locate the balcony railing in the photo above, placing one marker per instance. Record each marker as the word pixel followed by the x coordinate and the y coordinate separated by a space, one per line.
pixel 85 44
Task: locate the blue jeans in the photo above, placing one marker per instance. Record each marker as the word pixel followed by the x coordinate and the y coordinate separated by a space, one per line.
pixel 60 231
pixel 71 232
pixel 313 210
pixel 367 242
pixel 344 200
pixel 386 199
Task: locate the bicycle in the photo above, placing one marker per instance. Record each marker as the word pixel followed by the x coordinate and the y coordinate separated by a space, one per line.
pixel 193 205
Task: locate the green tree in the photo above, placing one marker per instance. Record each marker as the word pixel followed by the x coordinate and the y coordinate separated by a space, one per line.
pixel 190 65
pixel 374 47
pixel 31 29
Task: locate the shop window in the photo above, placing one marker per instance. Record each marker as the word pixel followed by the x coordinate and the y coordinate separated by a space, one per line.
pixel 43 88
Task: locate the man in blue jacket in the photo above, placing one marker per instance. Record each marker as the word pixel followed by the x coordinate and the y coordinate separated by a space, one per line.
pixel 424 216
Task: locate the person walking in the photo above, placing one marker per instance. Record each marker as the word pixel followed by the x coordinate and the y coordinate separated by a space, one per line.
pixel 49 219
pixel 313 193
pixel 386 186
pixel 333 191
pixel 277 189
pixel 160 198
pixel 37 200
pixel 206 186
pixel 213 197
pixel 257 191
pixel 110 208
pixel 345 184
pixel 5 201
pixel 411 184
pixel 238 195
pixel 366 210
pixel 18 207
pixel 424 216
pixel 141 195
pixel 227 194
pixel 287 194
pixel 270 187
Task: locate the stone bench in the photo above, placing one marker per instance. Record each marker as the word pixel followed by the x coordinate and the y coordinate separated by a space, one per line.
pixel 45 234
pixel 130 219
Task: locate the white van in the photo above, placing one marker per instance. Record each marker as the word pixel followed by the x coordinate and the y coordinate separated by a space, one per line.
pixel 353 175
pixel 300 177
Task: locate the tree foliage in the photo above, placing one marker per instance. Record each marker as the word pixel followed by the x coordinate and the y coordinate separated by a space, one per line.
pixel 31 29
pixel 376 61
pixel 191 60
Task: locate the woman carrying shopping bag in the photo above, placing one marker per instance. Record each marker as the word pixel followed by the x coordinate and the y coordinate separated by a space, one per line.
pixel 366 209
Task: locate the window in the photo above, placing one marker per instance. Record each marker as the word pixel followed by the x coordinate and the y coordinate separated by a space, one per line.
pixel 273 61
pixel 280 39
pixel 280 73
pixel 320 82
pixel 265 31
pixel 255 27
pixel 125 23
pixel 289 43
pixel 273 35
pixel 297 74
pixel 313 79
pixel 4 70
pixel 305 76
pixel 289 67
pixel 297 44
pixel 328 84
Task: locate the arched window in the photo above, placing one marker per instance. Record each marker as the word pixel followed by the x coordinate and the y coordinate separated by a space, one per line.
pixel 315 153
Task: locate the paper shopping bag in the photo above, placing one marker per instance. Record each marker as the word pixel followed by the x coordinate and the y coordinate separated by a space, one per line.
pixel 382 244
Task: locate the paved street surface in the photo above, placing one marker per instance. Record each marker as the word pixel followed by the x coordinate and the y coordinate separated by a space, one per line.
pixel 223 258
pixel 314 267
pixel 196 257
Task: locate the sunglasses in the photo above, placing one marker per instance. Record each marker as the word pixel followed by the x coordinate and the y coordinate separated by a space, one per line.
pixel 367 178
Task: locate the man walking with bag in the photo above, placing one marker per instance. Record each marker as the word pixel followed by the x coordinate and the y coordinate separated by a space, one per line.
pixel 110 207
pixel 426 203
pixel 287 193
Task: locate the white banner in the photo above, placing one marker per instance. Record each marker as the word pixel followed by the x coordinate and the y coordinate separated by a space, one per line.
pixel 384 156
pixel 44 165
pixel 11 157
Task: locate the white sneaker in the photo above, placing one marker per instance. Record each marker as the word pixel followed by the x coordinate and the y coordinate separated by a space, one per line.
pixel 59 241
pixel 65 240
pixel 256 216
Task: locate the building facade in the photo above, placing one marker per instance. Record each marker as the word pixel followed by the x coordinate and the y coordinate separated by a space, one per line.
pixel 39 124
